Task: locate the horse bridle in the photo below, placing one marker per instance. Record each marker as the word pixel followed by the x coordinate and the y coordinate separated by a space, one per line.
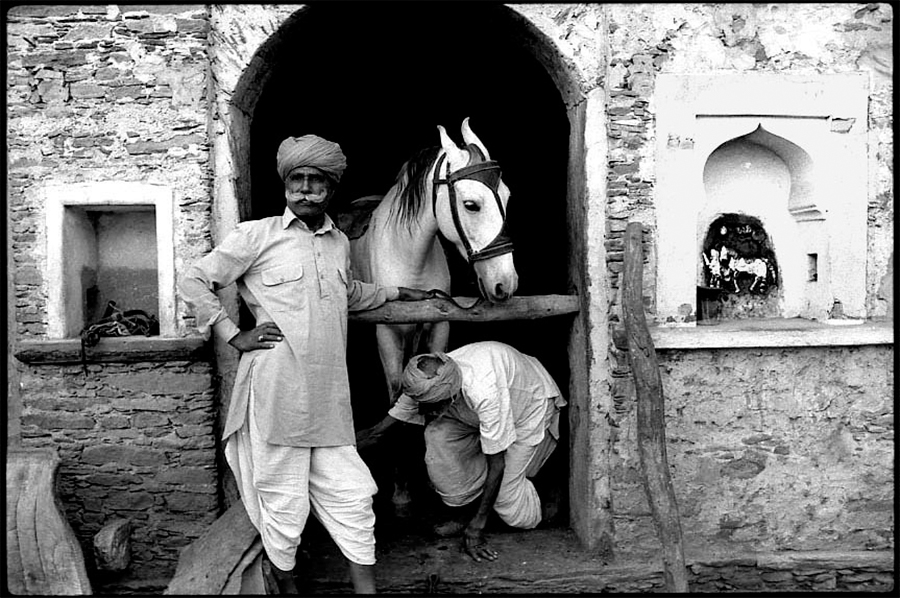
pixel 486 172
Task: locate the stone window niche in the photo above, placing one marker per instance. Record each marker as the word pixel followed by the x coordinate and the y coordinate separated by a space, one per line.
pixel 108 241
pixel 784 157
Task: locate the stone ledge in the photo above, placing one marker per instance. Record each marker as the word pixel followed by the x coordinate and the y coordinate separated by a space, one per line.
pixel 128 349
pixel 793 332
pixel 762 333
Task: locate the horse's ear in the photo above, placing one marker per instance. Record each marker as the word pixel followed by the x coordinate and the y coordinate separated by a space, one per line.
pixel 457 157
pixel 470 137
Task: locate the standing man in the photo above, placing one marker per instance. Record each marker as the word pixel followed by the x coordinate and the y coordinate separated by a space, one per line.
pixel 492 420
pixel 289 431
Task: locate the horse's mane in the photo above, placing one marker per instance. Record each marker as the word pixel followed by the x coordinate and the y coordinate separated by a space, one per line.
pixel 409 187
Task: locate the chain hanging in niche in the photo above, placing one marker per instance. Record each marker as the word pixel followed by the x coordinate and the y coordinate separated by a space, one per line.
pixel 116 322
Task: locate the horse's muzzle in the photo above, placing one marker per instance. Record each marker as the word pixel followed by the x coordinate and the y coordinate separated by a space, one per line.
pixel 501 244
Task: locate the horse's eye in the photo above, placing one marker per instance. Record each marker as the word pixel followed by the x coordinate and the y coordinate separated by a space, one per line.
pixel 471 206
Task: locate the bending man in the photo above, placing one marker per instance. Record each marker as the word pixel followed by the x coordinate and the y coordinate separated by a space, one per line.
pixel 492 420
pixel 289 429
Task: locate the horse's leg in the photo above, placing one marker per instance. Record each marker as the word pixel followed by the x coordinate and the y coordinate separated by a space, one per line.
pixel 391 345
pixel 439 337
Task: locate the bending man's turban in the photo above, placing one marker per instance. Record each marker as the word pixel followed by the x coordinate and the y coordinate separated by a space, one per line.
pixel 311 150
pixel 444 384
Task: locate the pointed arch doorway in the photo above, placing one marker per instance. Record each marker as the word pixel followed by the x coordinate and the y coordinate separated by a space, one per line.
pixel 379 84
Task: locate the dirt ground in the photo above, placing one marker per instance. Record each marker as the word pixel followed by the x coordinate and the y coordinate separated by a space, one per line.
pixel 412 560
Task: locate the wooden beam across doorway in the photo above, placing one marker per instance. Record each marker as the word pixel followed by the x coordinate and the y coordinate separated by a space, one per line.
pixel 469 309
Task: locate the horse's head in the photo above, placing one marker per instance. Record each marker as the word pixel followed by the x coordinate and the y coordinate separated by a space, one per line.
pixel 474 216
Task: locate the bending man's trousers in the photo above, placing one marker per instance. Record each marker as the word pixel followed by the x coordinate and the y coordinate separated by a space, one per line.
pixel 279 485
pixel 458 470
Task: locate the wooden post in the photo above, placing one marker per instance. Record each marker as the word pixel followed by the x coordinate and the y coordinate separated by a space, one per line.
pixel 651 428
pixel 216 562
pixel 43 556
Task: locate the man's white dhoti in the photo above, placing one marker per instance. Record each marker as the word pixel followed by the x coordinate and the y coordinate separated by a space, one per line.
pixel 280 484
pixel 457 468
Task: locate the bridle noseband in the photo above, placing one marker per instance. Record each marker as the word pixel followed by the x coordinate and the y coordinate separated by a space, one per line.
pixel 486 172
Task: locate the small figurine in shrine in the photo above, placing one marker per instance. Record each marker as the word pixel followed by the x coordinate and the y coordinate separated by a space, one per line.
pixel 719 265
pixel 715 268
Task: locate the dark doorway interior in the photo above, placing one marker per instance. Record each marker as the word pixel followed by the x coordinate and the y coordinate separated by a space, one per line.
pixel 378 78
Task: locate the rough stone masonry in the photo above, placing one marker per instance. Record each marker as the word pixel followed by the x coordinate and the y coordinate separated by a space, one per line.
pixel 772 449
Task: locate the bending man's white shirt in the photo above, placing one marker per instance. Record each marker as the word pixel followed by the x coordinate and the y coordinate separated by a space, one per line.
pixel 509 403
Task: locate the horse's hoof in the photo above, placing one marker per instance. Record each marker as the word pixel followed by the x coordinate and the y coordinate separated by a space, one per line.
pixel 402 505
pixel 402 511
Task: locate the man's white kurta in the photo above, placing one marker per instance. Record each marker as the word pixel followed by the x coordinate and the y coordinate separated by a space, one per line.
pixel 301 281
pixel 291 445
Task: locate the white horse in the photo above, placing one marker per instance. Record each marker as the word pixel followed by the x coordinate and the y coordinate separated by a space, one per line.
pixel 457 192
pixel 757 267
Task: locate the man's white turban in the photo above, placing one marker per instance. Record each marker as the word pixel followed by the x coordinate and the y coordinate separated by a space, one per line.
pixel 311 150
pixel 444 384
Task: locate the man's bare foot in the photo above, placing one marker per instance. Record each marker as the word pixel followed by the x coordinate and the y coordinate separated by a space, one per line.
pixel 362 577
pixel 276 581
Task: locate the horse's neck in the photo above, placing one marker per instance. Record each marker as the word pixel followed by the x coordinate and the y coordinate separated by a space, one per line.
pixel 416 244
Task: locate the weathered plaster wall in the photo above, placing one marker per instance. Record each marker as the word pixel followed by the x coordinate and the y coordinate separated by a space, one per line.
pixel 576 33
pixel 775 449
pixel 647 39
pixel 101 93
pixel 771 450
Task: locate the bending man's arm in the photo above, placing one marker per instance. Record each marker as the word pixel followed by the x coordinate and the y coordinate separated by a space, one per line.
pixel 405 410
pixel 475 543
pixel 366 439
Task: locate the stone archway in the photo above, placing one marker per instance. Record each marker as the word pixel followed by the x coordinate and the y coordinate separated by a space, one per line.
pixel 545 153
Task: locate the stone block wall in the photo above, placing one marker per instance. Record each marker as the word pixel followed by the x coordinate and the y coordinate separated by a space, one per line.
pixel 99 93
pixel 772 449
pixel 135 442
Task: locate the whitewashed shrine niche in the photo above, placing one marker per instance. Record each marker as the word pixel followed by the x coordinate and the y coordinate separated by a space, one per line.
pixel 761 196
pixel 740 269
pixel 108 241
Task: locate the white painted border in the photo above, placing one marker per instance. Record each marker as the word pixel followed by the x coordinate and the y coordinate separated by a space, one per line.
pixel 684 142
pixel 112 194
pixel 740 335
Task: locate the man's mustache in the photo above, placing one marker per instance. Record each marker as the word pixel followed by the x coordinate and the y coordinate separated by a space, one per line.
pixel 309 198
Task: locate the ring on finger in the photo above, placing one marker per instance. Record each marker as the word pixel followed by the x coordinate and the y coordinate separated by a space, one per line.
pixel 260 338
